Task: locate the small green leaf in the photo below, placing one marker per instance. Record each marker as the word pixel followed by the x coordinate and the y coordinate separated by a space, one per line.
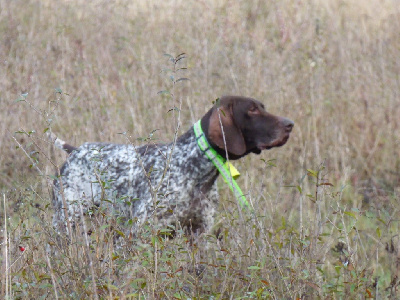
pixel 20 131
pixel 164 93
pixel 58 90
pixel 338 268
pixel 102 227
pixel 369 214
pixel 312 173
pixel 111 286
pixel 22 97
pixel 45 285
pixel 254 268
pixel 177 296
pixel 378 232
pixel 183 79
pixel 379 219
pixel 350 214
pixel 170 57
pixel 120 233
pixel 299 189
pixel 216 102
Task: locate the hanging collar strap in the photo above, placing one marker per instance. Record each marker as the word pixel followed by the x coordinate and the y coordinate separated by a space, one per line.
pixel 227 170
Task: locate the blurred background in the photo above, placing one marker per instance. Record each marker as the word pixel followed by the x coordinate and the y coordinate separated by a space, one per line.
pixel 331 66
pixel 91 70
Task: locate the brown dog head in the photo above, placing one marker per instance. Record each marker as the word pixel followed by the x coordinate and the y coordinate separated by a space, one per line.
pixel 240 125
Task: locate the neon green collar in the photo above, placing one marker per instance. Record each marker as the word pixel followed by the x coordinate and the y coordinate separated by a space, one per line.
pixel 224 168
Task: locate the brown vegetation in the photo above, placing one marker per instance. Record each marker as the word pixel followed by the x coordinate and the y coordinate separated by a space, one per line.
pixel 326 205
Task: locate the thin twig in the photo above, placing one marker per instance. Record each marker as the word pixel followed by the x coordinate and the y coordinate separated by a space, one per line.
pixel 88 253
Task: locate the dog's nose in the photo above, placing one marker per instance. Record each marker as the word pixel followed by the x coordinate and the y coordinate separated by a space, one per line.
pixel 288 124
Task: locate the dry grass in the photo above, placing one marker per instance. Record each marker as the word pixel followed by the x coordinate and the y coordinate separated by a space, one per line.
pixel 92 71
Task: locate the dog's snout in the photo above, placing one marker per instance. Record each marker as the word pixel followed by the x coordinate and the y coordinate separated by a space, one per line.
pixel 288 124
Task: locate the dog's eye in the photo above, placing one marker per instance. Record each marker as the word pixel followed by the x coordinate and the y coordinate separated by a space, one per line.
pixel 254 109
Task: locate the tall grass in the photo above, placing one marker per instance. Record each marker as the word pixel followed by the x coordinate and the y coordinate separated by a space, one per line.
pixel 326 205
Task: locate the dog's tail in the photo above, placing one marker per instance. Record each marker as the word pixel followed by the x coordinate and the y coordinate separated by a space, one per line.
pixel 60 143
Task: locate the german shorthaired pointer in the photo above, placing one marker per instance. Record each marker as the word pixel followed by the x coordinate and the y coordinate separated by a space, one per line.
pixel 143 181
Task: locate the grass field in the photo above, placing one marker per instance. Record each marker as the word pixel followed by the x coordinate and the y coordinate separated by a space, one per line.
pixel 326 222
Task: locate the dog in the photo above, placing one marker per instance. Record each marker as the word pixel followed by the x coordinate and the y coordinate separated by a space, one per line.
pixel 174 182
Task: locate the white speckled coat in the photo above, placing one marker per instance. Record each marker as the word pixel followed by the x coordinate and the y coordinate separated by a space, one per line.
pixel 186 193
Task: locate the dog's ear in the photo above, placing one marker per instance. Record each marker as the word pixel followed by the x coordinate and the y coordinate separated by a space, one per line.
pixel 235 143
